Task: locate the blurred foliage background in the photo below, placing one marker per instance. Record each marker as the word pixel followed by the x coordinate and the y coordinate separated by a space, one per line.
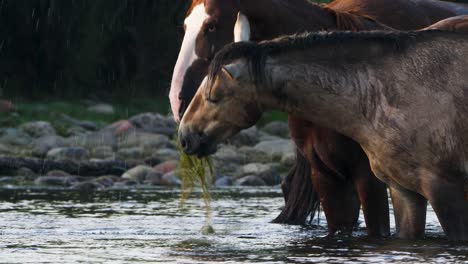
pixel 94 49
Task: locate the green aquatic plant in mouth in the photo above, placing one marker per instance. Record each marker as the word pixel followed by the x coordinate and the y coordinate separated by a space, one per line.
pixel 194 171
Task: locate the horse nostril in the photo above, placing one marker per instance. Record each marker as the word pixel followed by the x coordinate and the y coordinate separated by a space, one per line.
pixel 190 143
pixel 184 143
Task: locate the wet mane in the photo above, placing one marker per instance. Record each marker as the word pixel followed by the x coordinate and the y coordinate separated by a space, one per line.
pixel 256 53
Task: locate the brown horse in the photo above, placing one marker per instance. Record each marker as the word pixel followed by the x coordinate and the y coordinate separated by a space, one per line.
pixel 340 170
pixel 458 24
pixel 402 96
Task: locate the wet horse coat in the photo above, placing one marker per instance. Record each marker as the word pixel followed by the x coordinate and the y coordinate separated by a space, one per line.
pixel 340 170
pixel 402 96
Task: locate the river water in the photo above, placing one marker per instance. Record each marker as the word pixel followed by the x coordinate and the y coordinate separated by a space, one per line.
pixel 147 225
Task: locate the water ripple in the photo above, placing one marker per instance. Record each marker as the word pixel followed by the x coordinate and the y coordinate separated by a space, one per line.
pixel 147 225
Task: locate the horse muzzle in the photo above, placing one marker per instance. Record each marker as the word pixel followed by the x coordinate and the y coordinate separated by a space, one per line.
pixel 194 143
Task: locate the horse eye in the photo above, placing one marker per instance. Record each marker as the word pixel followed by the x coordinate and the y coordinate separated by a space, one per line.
pixel 211 28
pixel 212 100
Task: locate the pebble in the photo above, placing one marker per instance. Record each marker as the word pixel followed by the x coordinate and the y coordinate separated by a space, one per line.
pixel 250 180
pixel 166 166
pixel 73 153
pixel 171 179
pixel 224 181
pixel 138 173
pixel 58 173
pixel 267 172
pixel 38 129
pixel 101 108
pixel 107 180
pixel 277 128
pixel 87 186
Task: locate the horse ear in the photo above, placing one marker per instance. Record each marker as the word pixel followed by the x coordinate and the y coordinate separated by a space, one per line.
pixel 242 28
pixel 232 70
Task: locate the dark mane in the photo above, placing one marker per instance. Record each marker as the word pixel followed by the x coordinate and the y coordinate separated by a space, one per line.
pixel 256 53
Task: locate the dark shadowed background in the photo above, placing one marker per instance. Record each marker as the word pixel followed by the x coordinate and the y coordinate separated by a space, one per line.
pixel 88 48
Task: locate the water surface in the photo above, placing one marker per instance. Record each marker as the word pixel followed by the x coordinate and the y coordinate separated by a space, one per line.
pixel 146 225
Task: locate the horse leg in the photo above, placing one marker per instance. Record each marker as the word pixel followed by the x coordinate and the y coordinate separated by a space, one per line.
pixel 373 196
pixel 448 201
pixel 300 198
pixel 338 197
pixel 410 212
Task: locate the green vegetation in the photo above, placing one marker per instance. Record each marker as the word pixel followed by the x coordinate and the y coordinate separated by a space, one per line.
pixel 195 171
pixel 272 116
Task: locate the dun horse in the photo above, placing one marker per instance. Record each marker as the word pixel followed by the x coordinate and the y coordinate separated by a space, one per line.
pixel 340 169
pixel 402 96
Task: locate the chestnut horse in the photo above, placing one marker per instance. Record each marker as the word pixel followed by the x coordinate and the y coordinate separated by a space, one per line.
pixel 339 168
pixel 458 24
pixel 403 96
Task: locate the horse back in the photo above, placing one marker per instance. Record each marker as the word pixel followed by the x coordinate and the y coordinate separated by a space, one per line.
pixel 406 14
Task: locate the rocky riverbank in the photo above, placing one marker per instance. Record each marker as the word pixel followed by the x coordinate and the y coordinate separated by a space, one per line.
pixel 256 157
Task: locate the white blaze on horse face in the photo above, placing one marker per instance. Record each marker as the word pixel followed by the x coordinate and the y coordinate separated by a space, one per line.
pixel 193 24
pixel 242 28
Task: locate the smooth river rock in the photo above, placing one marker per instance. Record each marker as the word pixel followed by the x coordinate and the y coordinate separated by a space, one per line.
pixel 253 155
pixel 224 181
pixel 166 166
pixel 74 153
pixel 138 173
pixel 58 180
pixel 247 137
pixel 15 137
pixel 267 172
pixel 277 128
pixel 227 153
pixel 87 186
pixel 144 140
pixel 276 148
pixel 41 146
pixel 155 123
pixel 171 179
pixel 101 108
pixel 250 180
pixel 38 129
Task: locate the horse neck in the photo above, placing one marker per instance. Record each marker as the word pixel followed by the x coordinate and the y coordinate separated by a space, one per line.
pixel 274 18
pixel 327 91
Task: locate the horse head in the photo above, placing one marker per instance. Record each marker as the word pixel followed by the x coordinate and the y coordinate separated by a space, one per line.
pixel 225 103
pixel 209 25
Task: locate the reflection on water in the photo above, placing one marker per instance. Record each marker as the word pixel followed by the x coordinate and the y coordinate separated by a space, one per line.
pixel 146 225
